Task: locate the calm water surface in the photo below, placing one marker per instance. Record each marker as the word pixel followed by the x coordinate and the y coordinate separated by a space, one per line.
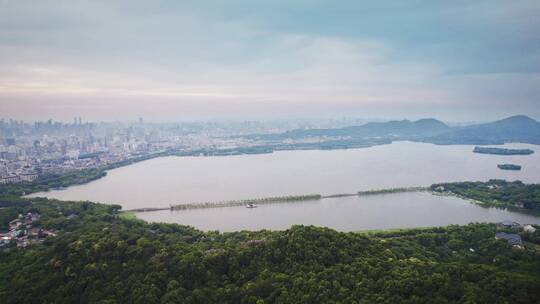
pixel 386 211
pixel 173 180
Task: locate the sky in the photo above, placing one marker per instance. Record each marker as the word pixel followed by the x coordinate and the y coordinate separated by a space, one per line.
pixel 245 59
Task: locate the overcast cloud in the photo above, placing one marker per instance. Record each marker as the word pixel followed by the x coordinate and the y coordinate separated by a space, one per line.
pixel 185 60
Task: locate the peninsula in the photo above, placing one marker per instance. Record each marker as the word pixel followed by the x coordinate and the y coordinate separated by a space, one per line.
pixel 494 193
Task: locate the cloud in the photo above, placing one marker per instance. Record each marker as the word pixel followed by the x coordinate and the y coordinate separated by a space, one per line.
pixel 244 58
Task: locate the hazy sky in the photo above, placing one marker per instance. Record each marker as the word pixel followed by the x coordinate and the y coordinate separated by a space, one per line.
pixel 246 59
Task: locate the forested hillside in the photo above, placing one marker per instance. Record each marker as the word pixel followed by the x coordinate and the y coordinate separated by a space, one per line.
pixel 98 257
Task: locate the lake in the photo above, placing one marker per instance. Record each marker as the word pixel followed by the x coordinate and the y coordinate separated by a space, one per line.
pixel 174 180
pixel 356 213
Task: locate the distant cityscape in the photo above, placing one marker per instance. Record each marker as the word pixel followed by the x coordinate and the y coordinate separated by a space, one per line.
pixel 30 150
pixel 49 148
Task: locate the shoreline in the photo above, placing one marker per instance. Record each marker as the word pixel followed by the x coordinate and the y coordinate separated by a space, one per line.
pixel 75 178
pixel 492 204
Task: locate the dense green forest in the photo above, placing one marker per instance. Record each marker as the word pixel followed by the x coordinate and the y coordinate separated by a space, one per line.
pixel 99 257
pixel 496 192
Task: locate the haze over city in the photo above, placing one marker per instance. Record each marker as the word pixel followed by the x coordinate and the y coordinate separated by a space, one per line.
pixel 249 60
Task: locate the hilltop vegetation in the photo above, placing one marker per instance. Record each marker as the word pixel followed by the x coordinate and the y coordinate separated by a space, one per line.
pixel 101 258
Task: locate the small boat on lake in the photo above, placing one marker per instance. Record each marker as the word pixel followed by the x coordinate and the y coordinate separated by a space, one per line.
pixel 251 205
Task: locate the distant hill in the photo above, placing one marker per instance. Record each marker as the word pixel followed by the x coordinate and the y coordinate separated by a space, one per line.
pixel 518 128
pixel 404 128
pixel 393 129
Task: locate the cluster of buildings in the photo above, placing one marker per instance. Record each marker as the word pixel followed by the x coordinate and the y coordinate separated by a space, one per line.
pixel 29 150
pixel 17 176
pixel 23 231
pixel 513 239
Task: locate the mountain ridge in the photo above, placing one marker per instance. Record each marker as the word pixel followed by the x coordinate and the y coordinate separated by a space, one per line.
pixel 517 128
